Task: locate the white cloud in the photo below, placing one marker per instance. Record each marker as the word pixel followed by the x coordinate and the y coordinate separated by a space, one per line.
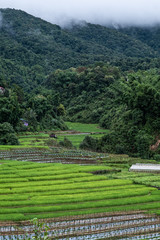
pixel 137 12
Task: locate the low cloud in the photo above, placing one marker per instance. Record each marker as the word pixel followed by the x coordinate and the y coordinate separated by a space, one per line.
pixel 104 12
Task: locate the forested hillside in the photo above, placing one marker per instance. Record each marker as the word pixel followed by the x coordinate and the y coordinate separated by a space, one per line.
pixel 148 35
pixel 127 103
pixel 86 73
pixel 119 43
pixel 32 48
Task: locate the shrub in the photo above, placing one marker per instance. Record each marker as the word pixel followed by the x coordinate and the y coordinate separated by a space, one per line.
pixel 156 157
pixel 119 149
pixel 108 142
pixel 51 142
pixel 89 143
pixel 66 143
pixel 143 141
pixel 7 135
pixel 48 122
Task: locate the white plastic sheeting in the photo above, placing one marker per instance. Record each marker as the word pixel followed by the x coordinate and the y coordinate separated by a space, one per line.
pixel 145 167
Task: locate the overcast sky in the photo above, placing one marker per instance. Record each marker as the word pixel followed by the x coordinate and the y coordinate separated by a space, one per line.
pixel 132 12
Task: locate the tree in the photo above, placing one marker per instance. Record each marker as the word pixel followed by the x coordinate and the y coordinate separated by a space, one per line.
pixel 61 110
pixel 7 135
pixel 89 143
pixel 10 110
pixel 66 143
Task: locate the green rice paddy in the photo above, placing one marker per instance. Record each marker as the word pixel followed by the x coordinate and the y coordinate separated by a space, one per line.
pixel 42 190
pixel 39 140
pixel 88 128
pixel 46 190
pixel 77 139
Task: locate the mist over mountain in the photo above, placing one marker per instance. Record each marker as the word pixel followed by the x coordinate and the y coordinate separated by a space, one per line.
pixel 31 48
pixel 62 12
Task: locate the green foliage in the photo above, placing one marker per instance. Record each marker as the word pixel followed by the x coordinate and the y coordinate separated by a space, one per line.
pixel 31 116
pixel 111 94
pixel 85 128
pixel 108 142
pixel 157 157
pixel 81 89
pixel 30 189
pixel 131 113
pixel 61 110
pixel 120 149
pixel 10 110
pixel 66 143
pixel 89 143
pixel 112 39
pixel 40 230
pixel 143 141
pixel 147 35
pixel 27 43
pixel 76 139
pixel 7 135
pixel 41 112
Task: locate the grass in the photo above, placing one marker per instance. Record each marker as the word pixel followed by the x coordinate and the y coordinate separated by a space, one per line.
pixel 38 140
pixel 29 140
pixel 149 179
pixel 23 146
pixel 77 139
pixel 44 190
pixel 50 190
pixel 82 127
pixel 81 198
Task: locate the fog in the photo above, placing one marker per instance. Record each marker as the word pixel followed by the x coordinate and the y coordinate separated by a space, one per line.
pixel 104 12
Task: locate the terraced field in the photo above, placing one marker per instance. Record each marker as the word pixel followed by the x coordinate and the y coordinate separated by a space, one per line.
pixel 55 155
pixel 76 133
pixel 85 128
pixel 79 195
pixel 148 179
pixel 31 188
pixel 122 225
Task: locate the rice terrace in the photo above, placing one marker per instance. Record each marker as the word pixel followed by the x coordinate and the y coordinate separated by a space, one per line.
pixel 79 120
pixel 77 194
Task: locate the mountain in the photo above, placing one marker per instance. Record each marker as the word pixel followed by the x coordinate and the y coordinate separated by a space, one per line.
pixel 147 35
pixel 95 74
pixel 32 48
pixel 119 43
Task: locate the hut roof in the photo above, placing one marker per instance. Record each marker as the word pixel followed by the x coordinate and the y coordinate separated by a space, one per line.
pixel 145 167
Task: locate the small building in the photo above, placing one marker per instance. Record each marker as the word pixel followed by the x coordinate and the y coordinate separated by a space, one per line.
pixel 142 167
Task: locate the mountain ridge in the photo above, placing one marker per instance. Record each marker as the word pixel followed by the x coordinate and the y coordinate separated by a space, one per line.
pixel 36 47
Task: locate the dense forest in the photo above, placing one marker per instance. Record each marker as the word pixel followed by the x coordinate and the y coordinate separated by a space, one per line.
pixel 32 48
pixel 86 73
pixel 127 103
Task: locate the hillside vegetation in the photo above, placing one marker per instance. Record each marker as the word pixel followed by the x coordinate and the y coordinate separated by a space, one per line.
pixel 87 73
pixel 78 107
pixel 127 103
pixel 31 48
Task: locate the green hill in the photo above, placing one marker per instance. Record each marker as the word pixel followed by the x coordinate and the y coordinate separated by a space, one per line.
pixel 94 73
pixel 119 43
pixel 31 48
pixel 147 35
